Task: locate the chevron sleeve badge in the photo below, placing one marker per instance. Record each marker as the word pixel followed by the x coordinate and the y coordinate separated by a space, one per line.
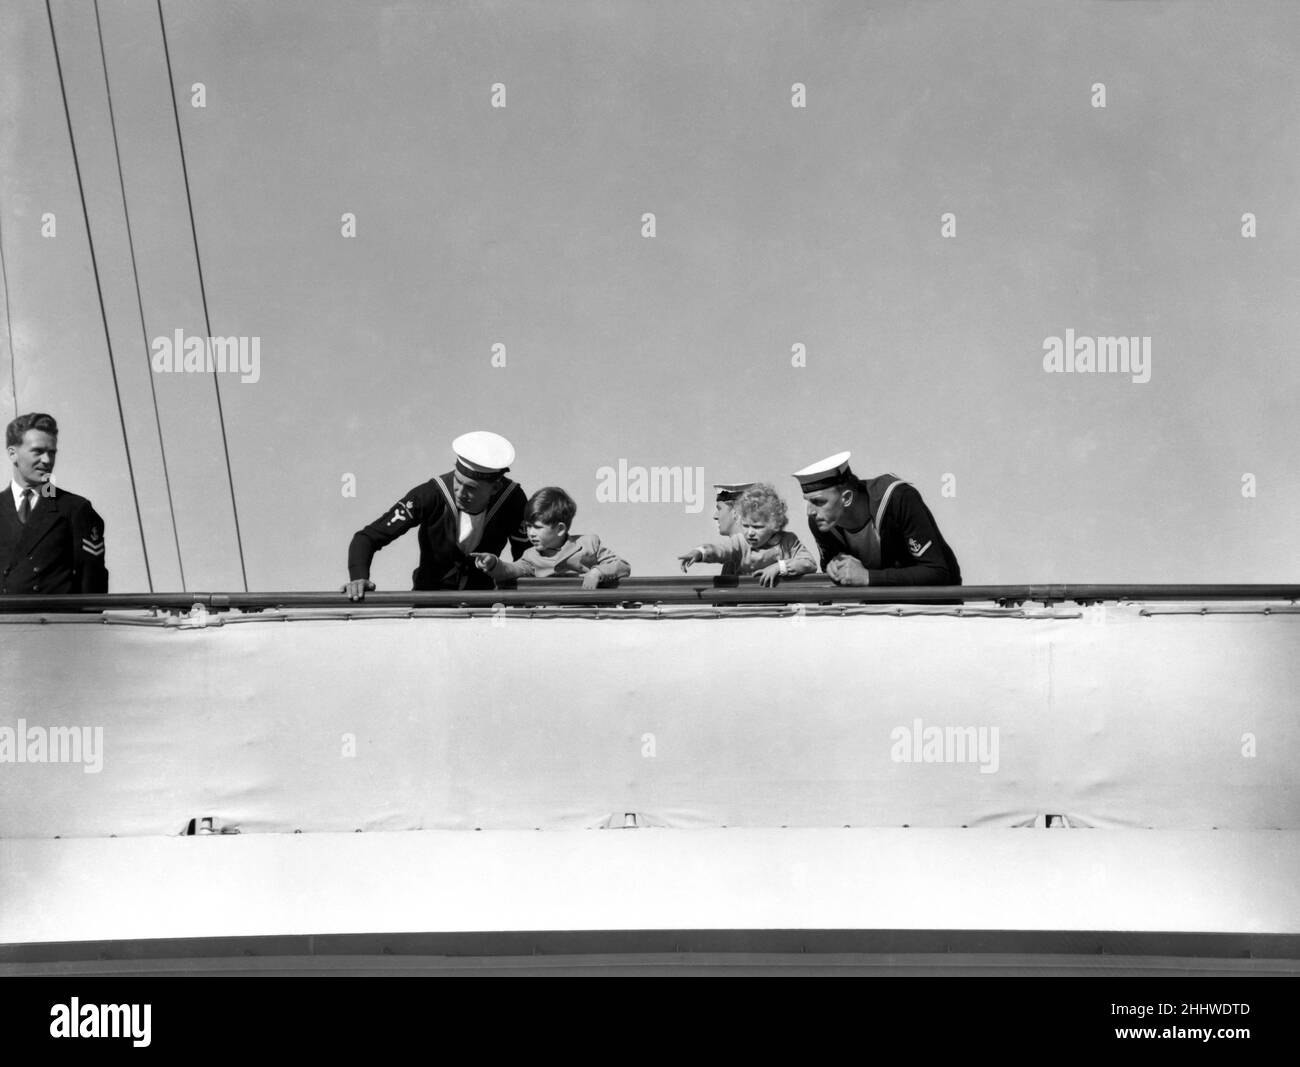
pixel 94 544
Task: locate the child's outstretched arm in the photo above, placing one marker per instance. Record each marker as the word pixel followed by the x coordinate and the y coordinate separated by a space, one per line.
pixel 607 567
pixel 500 570
pixel 694 555
pixel 728 551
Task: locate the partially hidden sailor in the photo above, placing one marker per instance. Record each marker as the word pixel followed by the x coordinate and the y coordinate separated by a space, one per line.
pixel 726 515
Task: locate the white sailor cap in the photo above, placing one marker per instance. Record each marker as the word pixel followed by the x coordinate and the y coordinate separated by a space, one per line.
pixel 483 456
pixel 824 473
pixel 729 491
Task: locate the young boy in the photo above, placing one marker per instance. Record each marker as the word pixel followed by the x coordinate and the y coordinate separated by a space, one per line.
pixel 763 547
pixel 556 553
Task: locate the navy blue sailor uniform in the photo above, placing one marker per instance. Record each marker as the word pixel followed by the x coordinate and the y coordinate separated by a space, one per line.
pixel 444 562
pixel 900 545
pixel 60 548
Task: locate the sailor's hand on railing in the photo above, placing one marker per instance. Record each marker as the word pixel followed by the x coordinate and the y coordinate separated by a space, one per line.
pixel 358 589
pixel 846 570
pixel 484 561
pixel 769 576
pixel 591 580
pixel 693 556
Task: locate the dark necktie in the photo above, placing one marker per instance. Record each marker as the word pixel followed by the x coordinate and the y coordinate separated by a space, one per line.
pixel 25 508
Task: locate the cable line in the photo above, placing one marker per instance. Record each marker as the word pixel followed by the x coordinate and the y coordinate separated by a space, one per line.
pixel 9 329
pixel 139 302
pixel 203 293
pixel 103 313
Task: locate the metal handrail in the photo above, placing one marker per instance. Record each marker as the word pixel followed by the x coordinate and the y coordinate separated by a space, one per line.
pixel 707 590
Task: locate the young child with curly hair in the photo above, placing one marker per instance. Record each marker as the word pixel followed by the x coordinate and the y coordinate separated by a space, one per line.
pixel 763 546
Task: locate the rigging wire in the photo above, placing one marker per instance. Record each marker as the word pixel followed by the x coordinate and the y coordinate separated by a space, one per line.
pixel 9 329
pixel 203 293
pixel 139 301
pixel 99 289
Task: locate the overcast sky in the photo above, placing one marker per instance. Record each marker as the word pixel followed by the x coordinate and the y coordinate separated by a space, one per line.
pixel 775 226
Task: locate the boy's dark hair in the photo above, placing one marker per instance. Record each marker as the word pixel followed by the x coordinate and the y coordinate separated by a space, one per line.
pixel 36 420
pixel 551 506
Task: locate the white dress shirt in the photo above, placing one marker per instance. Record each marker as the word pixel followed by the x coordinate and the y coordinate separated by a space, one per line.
pixel 17 491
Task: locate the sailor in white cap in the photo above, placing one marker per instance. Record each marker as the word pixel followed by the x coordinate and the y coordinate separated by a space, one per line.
pixel 473 508
pixel 873 532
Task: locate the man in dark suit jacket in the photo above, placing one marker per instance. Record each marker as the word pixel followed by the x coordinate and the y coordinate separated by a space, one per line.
pixel 51 541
